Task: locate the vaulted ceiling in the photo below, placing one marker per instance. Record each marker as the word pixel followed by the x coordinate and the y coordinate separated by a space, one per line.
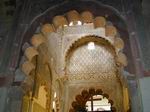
pixel 7 10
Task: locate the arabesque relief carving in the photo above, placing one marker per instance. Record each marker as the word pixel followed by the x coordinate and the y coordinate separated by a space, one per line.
pixel 62 53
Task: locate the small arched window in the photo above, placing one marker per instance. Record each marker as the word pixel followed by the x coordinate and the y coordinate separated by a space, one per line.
pixel 98 103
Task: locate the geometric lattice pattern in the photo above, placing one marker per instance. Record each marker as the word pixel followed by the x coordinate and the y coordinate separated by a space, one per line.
pixel 90 61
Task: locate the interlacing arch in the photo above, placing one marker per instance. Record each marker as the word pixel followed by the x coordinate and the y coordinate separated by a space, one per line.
pixel 110 34
pixel 38 46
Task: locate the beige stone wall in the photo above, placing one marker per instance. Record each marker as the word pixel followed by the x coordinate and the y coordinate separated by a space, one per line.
pixel 38 108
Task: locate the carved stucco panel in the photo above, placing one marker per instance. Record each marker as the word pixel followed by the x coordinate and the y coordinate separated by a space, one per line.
pixel 54 47
pixel 61 41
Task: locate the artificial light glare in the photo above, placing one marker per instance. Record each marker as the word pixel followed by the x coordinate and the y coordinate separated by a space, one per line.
pixel 65 25
pixel 71 24
pixel 53 104
pixel 75 23
pixel 79 23
pixel 91 45
pixel 55 95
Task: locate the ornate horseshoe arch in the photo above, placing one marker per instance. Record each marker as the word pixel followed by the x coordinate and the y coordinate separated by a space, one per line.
pixel 85 39
pixel 80 52
pixel 54 46
pixel 81 100
pixel 104 56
